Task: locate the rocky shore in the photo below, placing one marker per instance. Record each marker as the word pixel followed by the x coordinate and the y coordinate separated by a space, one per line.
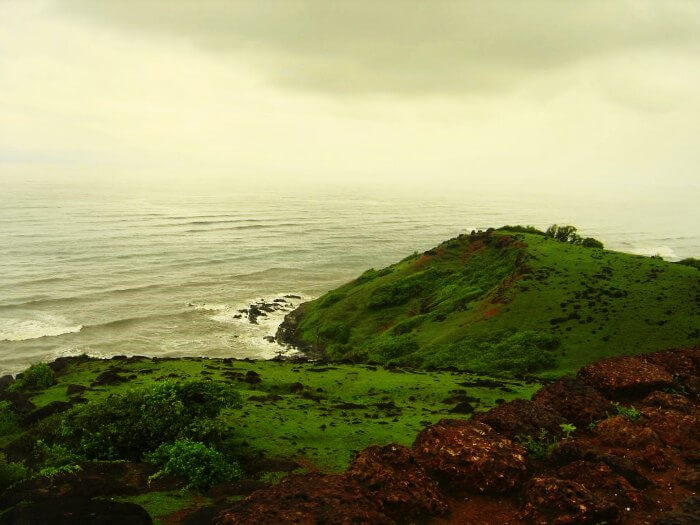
pixel 616 444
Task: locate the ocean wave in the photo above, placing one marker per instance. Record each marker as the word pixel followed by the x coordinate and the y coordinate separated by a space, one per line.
pixel 664 251
pixel 34 326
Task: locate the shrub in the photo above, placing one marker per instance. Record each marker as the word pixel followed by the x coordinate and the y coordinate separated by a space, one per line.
pixel 630 413
pixel 127 425
pixel 10 472
pixel 540 446
pixel 55 455
pixel 560 233
pixel 518 228
pixel 590 242
pixel 39 375
pixel 390 347
pixel 402 290
pixel 335 331
pixel 690 261
pixel 200 465
pixel 522 352
pixel 330 299
pixel 567 429
pixel 9 420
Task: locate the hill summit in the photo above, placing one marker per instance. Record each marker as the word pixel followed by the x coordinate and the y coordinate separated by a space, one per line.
pixel 514 300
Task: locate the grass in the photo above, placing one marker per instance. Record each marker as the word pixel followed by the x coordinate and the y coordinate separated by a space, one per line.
pixel 451 305
pixel 162 504
pixel 340 410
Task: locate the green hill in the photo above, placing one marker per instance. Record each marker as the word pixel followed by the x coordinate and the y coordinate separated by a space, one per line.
pixel 512 300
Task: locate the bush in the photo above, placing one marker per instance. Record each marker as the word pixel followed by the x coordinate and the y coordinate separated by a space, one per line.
pixel 590 242
pixel 402 290
pixel 10 472
pixel 55 456
pixel 9 420
pixel 335 331
pixel 518 228
pixel 127 425
pixel 200 465
pixel 39 375
pixel 390 347
pixel 561 233
pixel 690 261
pixel 330 299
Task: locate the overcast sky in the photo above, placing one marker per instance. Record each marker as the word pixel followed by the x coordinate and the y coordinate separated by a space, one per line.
pixel 532 92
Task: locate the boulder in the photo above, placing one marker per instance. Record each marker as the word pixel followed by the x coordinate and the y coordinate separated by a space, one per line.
pixel 519 417
pixel 600 480
pixel 577 402
pixel 628 377
pixel 392 477
pixel 618 431
pixel 75 389
pixel 471 456
pixel 310 498
pixel 554 501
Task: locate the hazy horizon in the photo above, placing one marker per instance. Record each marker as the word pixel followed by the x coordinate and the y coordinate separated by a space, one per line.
pixel 577 94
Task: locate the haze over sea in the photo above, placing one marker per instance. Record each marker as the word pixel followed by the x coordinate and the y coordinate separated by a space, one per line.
pixel 163 271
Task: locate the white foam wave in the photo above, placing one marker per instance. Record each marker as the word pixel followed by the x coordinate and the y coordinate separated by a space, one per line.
pixel 35 325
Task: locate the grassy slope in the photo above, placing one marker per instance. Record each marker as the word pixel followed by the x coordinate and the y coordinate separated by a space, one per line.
pixel 597 302
pixel 307 425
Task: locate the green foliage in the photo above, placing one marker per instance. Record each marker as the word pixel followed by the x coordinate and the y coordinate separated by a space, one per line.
pixel 200 465
pixel 9 420
pixel 330 299
pixel 55 455
pixel 389 347
pixel 690 261
pixel 10 472
pixel 39 375
pixel 370 274
pixel 561 233
pixel 539 446
pixel 337 331
pixel 590 242
pixel 400 291
pixel 52 472
pixel 568 429
pixel 630 413
pixel 129 424
pixel 521 229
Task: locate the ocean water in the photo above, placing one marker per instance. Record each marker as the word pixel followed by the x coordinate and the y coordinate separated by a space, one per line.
pixel 163 271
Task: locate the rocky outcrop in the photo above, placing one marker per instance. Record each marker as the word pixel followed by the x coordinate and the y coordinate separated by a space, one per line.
pixel 639 466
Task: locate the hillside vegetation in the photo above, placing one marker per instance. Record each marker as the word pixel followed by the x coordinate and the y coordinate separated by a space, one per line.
pixel 513 300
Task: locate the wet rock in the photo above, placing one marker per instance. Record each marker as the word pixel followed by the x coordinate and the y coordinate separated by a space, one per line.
pixel 400 486
pixel 68 511
pixel 311 498
pixel 626 377
pixel 75 389
pixel 618 431
pixel 521 417
pixel 59 364
pixel 6 381
pixel 269 338
pixel 577 402
pixel 600 479
pixel 471 455
pixel 556 501
pixel 668 401
pixel 55 407
pixel 20 402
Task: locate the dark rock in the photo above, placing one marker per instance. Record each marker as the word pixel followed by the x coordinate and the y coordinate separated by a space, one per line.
pixel 6 381
pixel 462 408
pixel 471 455
pixel 69 511
pixel 252 377
pixel 311 498
pixel 75 389
pixel 618 431
pixel 108 378
pixel 295 388
pixel 577 402
pixel 269 338
pixel 602 482
pixel 20 402
pixel 668 401
pixel 55 407
pixel 551 500
pixel 627 377
pixel 400 487
pixel 521 417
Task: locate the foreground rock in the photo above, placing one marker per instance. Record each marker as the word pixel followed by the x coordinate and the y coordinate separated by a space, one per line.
pixel 471 456
pixel 69 511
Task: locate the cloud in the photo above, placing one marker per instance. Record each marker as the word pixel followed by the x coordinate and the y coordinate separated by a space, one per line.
pixel 405 46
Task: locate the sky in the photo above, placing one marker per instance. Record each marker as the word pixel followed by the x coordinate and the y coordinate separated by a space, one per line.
pixel 532 93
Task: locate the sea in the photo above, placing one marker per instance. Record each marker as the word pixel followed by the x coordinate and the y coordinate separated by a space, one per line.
pixel 164 270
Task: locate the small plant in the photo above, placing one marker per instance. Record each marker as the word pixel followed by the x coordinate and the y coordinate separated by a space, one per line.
pixel 9 420
pixel 39 375
pixel 592 425
pixel 10 472
pixel 52 472
pixel 568 429
pixel 630 413
pixel 540 446
pixel 200 465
